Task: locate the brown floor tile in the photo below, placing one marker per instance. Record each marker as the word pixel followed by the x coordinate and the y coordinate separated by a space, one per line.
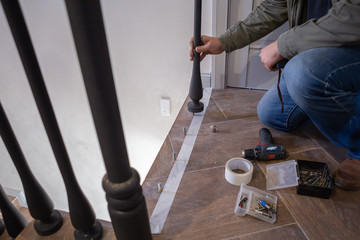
pixel 177 136
pixel 232 137
pixel 214 149
pixel 204 208
pixel 334 218
pixel 151 193
pixel 291 231
pixel 184 117
pixel 5 236
pixel 213 113
pixel 338 153
pixel 238 103
pixel 293 141
pixel 204 204
pixel 163 161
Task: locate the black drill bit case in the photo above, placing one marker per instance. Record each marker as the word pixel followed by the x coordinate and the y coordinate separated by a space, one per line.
pixel 311 178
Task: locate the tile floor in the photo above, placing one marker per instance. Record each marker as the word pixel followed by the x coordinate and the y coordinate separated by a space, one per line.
pixel 203 207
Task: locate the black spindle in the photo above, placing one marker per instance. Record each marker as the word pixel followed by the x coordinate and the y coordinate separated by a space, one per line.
pixel 2 227
pixel 40 205
pixel 195 92
pixel 15 222
pixel 126 202
pixel 81 213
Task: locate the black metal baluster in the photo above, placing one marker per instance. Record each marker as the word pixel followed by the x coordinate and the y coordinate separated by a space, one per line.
pixel 2 227
pixel 126 202
pixel 40 205
pixel 81 213
pixel 15 222
pixel 195 92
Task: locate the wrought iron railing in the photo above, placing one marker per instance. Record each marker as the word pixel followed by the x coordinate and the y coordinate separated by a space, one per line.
pixel 126 202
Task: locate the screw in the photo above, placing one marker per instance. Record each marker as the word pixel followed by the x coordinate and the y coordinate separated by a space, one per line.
pixel 213 128
pixel 159 187
pixel 243 200
pixel 184 130
pixel 174 155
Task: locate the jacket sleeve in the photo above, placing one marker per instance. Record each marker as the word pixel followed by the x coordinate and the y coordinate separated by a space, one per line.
pixel 339 27
pixel 268 16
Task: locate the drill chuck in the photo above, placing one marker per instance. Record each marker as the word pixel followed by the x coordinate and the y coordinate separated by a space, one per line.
pixel 249 154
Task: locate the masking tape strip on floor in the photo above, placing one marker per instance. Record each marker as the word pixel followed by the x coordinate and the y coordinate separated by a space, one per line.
pixel 167 195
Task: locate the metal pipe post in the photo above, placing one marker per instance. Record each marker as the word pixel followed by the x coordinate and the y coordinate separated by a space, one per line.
pixel 126 201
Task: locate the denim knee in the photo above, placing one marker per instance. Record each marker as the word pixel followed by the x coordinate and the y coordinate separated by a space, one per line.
pixel 263 112
pixel 299 78
pixel 269 111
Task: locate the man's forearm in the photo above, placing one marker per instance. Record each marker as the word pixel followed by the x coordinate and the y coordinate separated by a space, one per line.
pixel 270 15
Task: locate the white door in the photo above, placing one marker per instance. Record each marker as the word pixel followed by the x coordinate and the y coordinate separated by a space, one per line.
pixel 244 68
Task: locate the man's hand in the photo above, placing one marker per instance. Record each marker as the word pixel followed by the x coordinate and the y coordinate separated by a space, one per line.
pixel 270 56
pixel 211 45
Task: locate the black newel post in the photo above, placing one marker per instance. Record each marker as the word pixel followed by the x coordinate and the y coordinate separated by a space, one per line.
pixel 40 205
pixel 81 213
pixel 15 222
pixel 126 202
pixel 195 92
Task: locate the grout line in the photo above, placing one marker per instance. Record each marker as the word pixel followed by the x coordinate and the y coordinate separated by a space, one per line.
pixel 171 144
pixel 306 150
pixel 260 231
pixel 203 169
pixel 219 108
pixel 281 196
pixel 287 207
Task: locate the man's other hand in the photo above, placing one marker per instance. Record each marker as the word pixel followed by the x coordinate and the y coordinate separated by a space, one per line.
pixel 270 56
pixel 211 45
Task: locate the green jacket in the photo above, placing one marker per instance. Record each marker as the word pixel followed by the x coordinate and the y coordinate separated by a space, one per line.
pixel 339 27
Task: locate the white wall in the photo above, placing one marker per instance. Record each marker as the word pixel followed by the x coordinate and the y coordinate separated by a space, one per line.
pixel 148 43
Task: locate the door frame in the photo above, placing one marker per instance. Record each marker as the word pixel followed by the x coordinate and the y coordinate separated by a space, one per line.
pixel 220 9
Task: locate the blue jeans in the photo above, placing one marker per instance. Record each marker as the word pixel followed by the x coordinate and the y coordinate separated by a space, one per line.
pixel 321 86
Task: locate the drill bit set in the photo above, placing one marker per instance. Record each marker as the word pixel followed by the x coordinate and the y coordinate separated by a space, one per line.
pixel 314 179
pixel 310 178
pixel 257 203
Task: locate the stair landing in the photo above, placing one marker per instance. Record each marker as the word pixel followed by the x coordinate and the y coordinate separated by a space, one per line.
pixel 203 207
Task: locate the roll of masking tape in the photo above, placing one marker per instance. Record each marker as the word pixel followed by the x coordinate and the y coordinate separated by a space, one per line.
pixel 238 178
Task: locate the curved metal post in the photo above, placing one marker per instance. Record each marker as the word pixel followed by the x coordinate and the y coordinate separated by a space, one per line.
pixel 40 205
pixel 126 202
pixel 195 92
pixel 15 222
pixel 81 213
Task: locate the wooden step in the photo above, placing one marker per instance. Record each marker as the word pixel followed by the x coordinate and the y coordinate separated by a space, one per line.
pixel 65 232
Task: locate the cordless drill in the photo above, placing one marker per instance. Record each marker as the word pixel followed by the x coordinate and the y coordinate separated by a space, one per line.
pixel 265 149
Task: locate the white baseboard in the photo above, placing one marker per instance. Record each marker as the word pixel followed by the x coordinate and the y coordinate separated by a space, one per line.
pixel 206 80
pixel 18 194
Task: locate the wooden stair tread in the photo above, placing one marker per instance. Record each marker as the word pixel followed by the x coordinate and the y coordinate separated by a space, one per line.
pixel 65 232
